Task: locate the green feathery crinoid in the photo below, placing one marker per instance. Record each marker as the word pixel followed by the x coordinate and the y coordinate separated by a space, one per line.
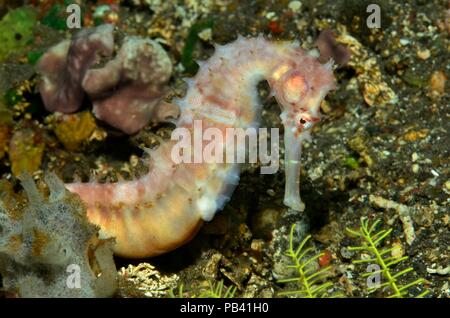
pixel 371 244
pixel 311 282
pixel 216 290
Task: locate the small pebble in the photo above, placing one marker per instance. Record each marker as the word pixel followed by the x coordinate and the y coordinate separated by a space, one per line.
pixel 205 35
pixel 295 5
pixel 437 82
pixel 434 173
pixel 325 259
pixel 257 245
pixel 404 42
pixel 447 184
pixel 397 250
pixel 270 15
pixel 423 54
pixel 346 253
pixel 134 160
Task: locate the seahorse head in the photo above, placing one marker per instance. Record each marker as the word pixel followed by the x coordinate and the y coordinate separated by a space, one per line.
pixel 299 85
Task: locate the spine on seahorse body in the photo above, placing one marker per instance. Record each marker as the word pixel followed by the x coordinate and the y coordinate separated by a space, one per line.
pixel 165 208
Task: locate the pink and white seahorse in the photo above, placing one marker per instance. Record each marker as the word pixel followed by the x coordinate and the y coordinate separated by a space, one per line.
pixel 165 208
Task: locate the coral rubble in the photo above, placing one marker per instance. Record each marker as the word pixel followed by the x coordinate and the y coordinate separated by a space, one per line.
pixel 26 151
pixel 328 48
pixel 125 91
pixel 64 65
pixel 73 130
pixel 133 81
pixel 48 248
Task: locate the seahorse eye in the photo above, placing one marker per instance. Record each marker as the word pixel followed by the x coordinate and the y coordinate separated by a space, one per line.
pixel 295 87
pixel 307 125
pixel 304 121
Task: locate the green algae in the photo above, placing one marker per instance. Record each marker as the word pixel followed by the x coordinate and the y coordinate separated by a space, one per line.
pixel 351 162
pixel 187 59
pixel 34 56
pixel 55 18
pixel 16 31
pixel 12 98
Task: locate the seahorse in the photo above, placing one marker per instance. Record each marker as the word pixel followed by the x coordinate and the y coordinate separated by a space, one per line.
pixel 165 208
